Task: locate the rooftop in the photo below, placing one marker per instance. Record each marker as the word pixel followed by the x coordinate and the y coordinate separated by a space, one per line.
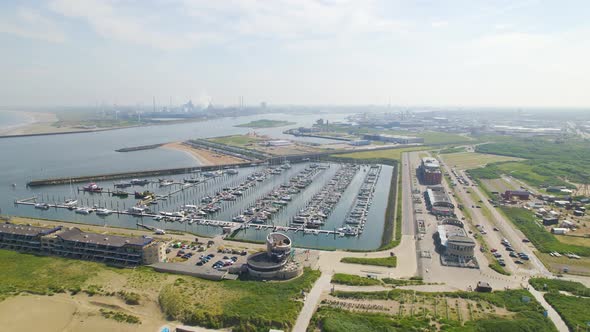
pixel 437 195
pixel 28 230
pixel 452 233
pixel 75 234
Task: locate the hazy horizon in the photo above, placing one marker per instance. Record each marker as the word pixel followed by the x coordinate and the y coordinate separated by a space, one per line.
pixel 338 53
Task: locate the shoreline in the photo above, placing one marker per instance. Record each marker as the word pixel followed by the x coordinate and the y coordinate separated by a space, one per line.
pixel 203 157
pixel 34 120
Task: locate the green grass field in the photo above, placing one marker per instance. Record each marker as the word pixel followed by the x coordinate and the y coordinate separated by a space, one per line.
pixel 390 261
pixel 470 160
pixel 433 137
pixel 548 162
pixel 264 123
pixel 391 154
pixel 354 280
pixel 22 273
pixel 235 140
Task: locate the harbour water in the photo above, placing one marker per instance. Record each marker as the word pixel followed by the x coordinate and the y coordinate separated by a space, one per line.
pixel 27 158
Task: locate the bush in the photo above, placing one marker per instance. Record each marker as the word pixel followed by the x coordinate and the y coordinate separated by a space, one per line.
pixel 129 297
pixel 573 310
pixel 555 285
pixel 120 316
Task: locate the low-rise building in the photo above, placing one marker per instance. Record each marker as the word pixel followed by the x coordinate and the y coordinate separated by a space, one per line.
pixel 438 202
pixel 522 195
pixel 454 244
pixel 74 243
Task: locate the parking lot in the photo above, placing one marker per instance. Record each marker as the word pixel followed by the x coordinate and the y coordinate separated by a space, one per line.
pixel 206 254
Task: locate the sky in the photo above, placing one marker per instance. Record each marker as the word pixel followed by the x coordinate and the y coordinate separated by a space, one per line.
pixel 497 53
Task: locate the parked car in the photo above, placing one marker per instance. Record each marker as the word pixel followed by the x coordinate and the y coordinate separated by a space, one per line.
pixel 518 262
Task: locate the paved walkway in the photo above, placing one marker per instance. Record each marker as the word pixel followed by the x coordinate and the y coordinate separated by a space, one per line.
pixel 311 302
pixel 552 314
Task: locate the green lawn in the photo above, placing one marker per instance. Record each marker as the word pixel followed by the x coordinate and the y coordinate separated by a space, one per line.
pixel 354 280
pixel 235 140
pixel 389 261
pixel 264 123
pixel 543 240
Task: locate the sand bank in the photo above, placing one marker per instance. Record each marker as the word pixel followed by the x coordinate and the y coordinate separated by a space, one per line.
pixel 204 157
pixel 63 312
pixel 39 122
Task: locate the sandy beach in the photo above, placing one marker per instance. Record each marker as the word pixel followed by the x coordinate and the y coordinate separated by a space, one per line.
pixel 39 122
pixel 204 157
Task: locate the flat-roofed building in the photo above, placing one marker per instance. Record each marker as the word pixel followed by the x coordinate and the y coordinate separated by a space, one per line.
pixel 112 249
pixel 24 238
pixel 74 243
pixel 438 202
pixel 429 171
pixel 454 244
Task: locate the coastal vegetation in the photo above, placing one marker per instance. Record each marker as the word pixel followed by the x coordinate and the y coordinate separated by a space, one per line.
pixel 389 261
pixel 543 240
pixel 573 309
pixel 265 123
pixel 21 273
pixel 407 310
pixel 241 305
pixel 549 162
pixel 556 285
pixel 120 316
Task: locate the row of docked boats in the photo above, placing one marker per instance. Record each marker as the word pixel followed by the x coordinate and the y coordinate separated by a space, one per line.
pixel 263 209
pixel 357 215
pixel 317 211
pixel 212 204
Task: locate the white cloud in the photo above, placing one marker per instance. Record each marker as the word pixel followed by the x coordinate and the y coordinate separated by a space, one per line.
pixel 294 19
pixel 29 23
pixel 106 19
pixel 439 24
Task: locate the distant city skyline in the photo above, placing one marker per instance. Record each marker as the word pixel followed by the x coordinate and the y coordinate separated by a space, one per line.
pixel 522 53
